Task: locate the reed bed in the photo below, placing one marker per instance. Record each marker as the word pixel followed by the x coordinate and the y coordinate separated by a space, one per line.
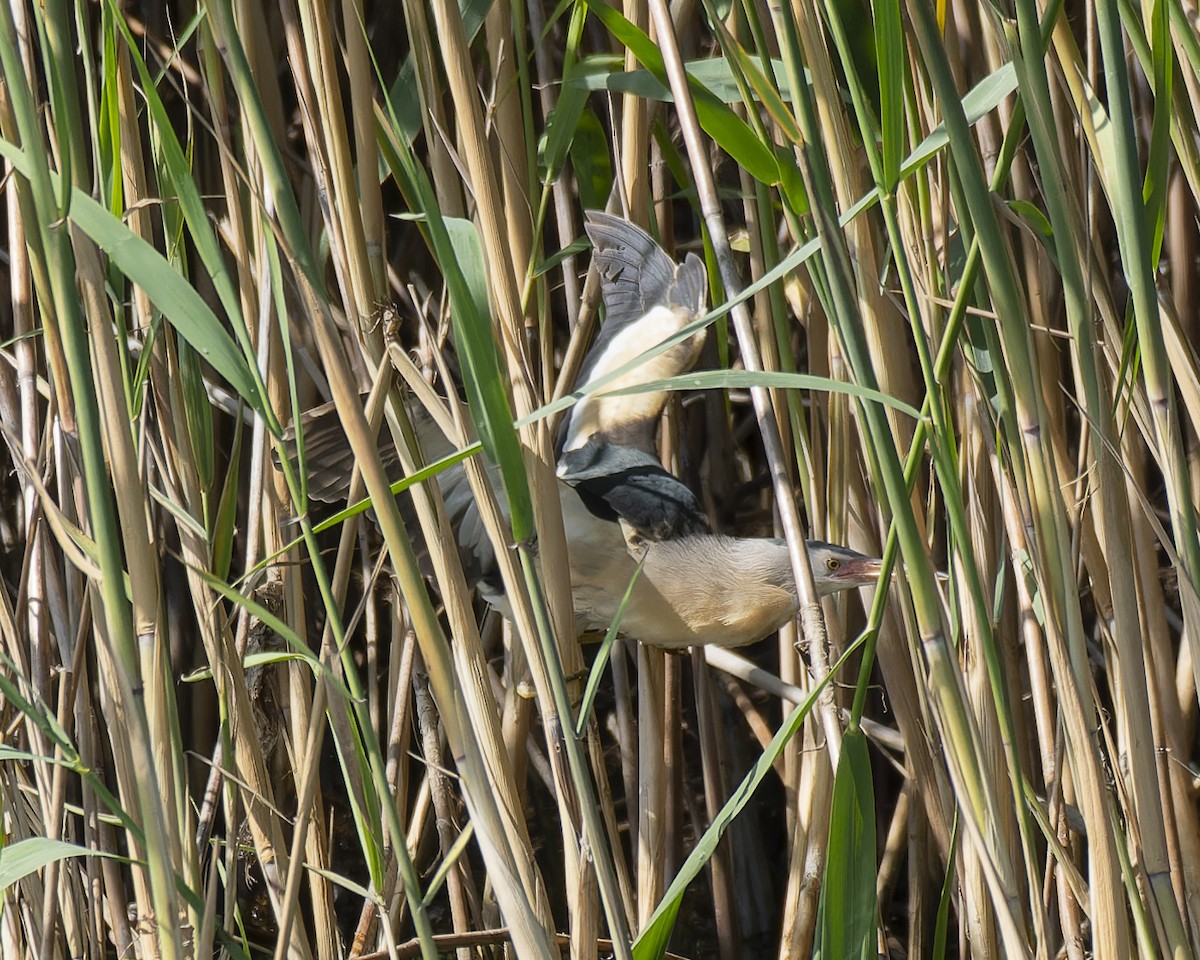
pixel 953 259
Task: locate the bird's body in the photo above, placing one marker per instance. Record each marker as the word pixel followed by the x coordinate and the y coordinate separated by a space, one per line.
pixel 620 507
pixel 692 589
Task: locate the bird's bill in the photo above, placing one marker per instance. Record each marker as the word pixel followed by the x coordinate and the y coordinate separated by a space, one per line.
pixel 857 572
pixel 863 571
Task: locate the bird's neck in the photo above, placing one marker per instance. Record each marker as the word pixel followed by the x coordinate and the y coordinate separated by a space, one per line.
pixel 727 590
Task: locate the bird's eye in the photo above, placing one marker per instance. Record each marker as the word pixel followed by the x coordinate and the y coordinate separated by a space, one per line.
pixel 832 564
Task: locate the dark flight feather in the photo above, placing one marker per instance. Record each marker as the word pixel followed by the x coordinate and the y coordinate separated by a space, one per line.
pixel 636 276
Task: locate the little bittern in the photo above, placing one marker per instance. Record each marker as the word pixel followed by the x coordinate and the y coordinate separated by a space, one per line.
pixel 620 505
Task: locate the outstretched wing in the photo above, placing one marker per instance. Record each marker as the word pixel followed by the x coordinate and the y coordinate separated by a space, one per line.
pixel 328 455
pixel 638 276
pixel 647 299
pixel 330 463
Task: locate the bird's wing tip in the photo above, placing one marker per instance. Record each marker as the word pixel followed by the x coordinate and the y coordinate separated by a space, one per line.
pixel 608 232
pixel 690 289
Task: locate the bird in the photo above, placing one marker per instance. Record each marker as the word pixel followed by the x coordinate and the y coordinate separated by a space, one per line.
pixel 626 518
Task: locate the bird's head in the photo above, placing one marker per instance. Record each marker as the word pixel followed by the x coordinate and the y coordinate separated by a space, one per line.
pixel 837 568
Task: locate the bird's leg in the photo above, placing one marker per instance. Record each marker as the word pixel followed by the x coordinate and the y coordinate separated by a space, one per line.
pixel 635 543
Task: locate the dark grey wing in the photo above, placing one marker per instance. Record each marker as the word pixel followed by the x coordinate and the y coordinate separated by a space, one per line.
pixel 328 455
pixel 617 481
pixel 330 463
pixel 647 300
pixel 635 273
pixel 635 277
pixel 690 289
